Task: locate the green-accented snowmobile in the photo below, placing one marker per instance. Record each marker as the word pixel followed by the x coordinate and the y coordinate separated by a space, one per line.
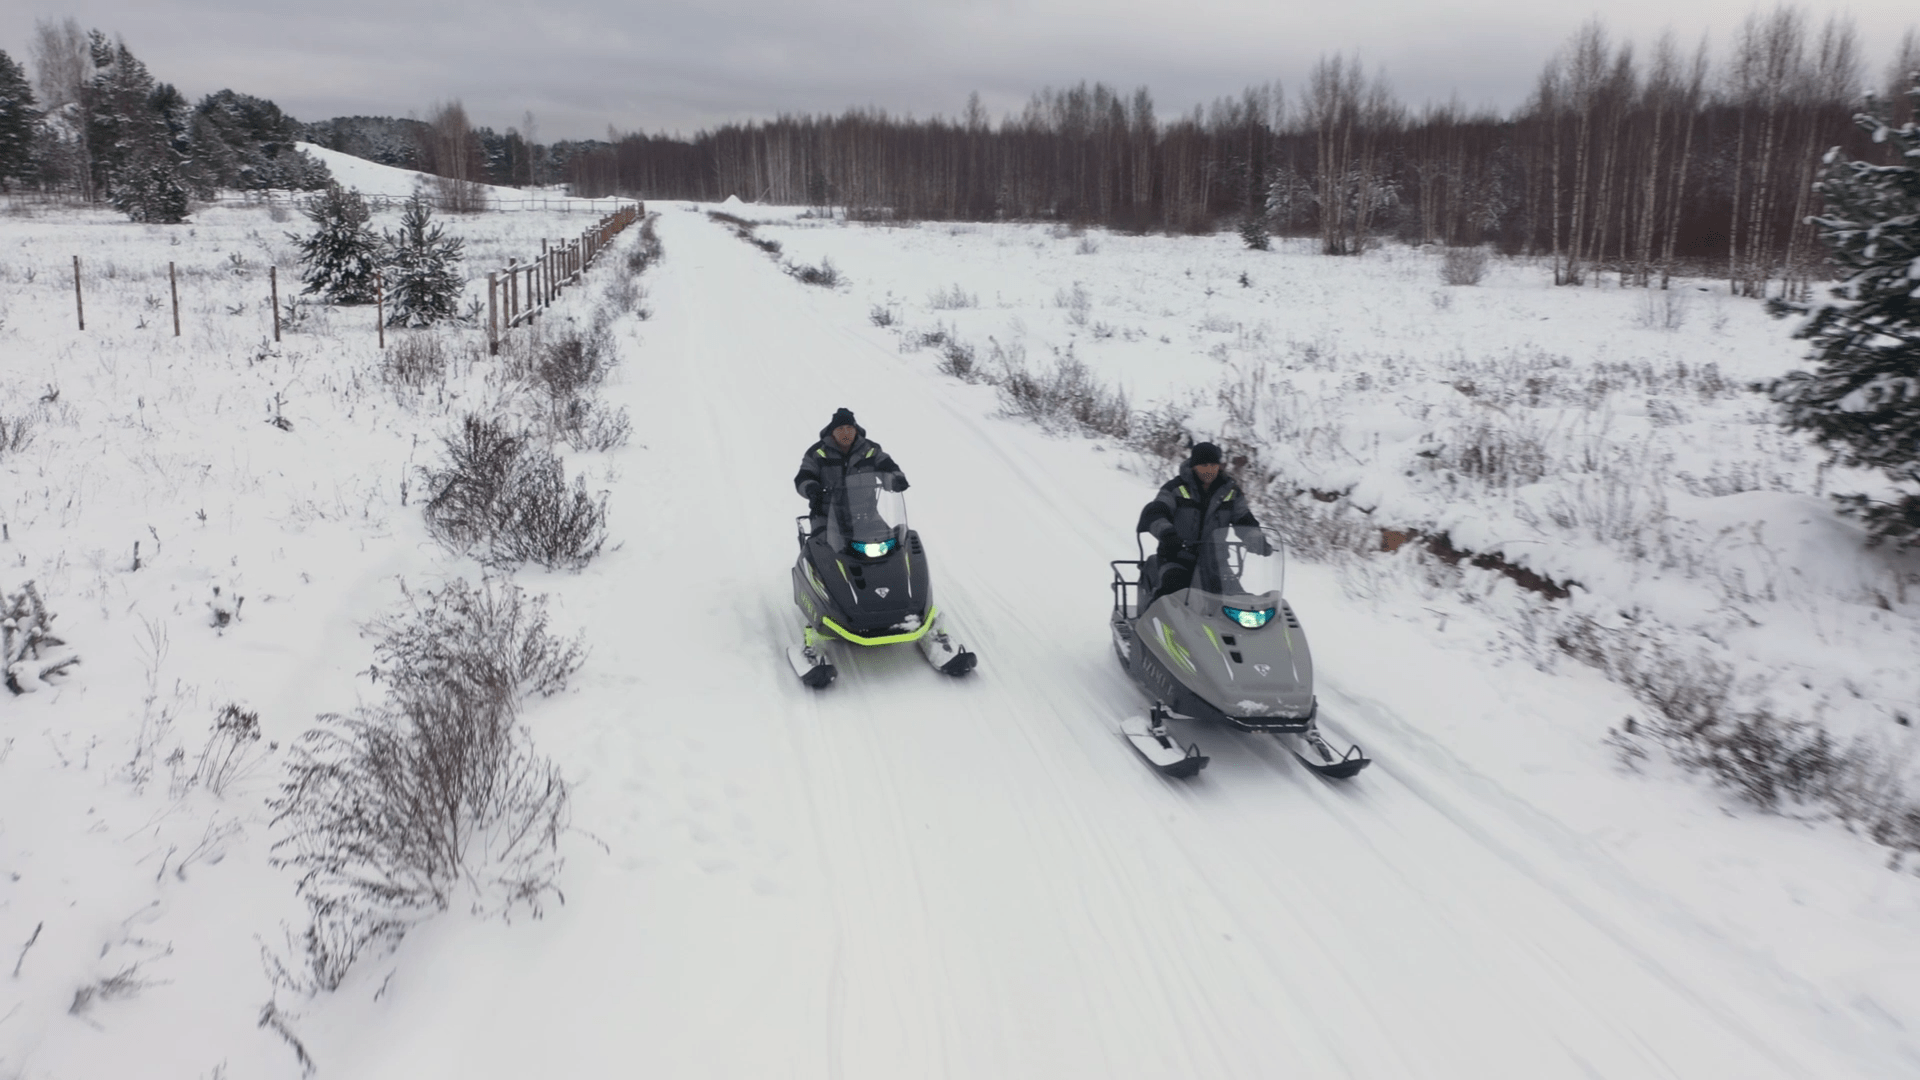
pixel 862 578
pixel 1227 648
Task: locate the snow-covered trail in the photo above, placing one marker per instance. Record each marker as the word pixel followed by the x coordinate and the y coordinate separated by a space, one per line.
pixel 911 876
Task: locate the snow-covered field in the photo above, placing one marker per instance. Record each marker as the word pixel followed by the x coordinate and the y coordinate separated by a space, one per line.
pixel 907 876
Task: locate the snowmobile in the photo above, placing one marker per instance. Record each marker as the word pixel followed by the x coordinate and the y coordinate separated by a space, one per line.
pixel 862 578
pixel 1228 648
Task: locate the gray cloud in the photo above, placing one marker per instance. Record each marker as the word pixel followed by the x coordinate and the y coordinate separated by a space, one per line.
pixel 582 65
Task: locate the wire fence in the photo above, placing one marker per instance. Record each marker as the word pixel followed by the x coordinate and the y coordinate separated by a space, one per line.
pixel 486 202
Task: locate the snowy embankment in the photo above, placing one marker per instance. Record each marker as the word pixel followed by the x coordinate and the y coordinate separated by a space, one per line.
pixel 907 875
pixel 1600 439
pixel 211 518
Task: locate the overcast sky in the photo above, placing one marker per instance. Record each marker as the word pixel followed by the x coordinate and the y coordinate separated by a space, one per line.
pixel 581 65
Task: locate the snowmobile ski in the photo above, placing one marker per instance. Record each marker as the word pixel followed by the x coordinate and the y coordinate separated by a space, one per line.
pixel 1317 754
pixel 1151 741
pixel 811 665
pixel 947 656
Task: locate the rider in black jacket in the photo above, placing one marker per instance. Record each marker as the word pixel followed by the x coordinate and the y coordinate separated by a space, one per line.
pixel 842 451
pixel 1194 505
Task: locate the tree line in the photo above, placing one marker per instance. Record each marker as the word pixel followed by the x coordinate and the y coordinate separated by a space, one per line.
pixel 94 123
pixel 1620 161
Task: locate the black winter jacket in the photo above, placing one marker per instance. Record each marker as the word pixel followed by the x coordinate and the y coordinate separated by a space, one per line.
pixel 825 466
pixel 1186 509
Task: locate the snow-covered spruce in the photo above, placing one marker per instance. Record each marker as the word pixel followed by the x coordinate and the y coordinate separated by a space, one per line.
pixel 1862 401
pixel 423 280
pixel 341 257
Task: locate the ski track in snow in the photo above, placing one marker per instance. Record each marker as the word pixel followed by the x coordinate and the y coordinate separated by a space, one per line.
pixel 909 876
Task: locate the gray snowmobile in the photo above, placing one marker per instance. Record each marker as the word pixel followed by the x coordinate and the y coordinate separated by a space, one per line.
pixel 862 578
pixel 1228 648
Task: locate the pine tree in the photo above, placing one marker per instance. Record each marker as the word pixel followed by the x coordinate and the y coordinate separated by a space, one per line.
pixel 423 285
pixel 135 159
pixel 1862 400
pixel 340 258
pixel 149 188
pixel 17 116
pixel 1253 232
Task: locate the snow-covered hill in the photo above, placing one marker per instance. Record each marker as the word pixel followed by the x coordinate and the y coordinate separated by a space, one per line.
pixel 387 181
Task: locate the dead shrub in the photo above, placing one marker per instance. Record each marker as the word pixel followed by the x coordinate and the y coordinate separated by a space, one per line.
pixel 414 361
pixel 230 749
pixel 1065 394
pixel 391 811
pixel 826 275
pixel 648 250
pixel 1463 266
pixel 506 500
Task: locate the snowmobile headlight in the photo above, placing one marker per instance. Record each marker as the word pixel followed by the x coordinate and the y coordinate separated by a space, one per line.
pixel 873 550
pixel 1252 620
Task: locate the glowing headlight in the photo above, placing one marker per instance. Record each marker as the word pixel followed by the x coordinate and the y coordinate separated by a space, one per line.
pixel 1252 620
pixel 874 550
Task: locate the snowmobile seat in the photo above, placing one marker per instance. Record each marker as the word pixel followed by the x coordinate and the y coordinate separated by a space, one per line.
pixel 1149 581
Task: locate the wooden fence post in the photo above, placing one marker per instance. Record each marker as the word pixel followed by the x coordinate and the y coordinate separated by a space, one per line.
pixel 79 305
pixel 273 280
pixel 380 306
pixel 493 314
pixel 513 291
pixel 173 286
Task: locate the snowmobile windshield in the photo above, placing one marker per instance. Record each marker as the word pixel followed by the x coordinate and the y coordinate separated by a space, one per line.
pixel 865 516
pixel 1242 568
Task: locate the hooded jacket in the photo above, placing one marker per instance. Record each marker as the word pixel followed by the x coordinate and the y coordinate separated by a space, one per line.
pixel 825 466
pixel 1185 508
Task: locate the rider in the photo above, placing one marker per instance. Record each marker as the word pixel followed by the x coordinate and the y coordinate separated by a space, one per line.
pixel 1201 500
pixel 843 450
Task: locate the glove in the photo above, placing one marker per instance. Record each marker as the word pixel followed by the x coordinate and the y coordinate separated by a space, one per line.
pixel 810 491
pixel 899 482
pixel 1171 545
pixel 1257 544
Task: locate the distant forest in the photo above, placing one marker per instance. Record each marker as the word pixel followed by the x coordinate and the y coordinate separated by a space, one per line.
pixel 1618 162
pixel 1640 165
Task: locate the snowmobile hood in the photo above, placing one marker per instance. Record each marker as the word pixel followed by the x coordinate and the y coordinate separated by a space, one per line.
pixel 1259 675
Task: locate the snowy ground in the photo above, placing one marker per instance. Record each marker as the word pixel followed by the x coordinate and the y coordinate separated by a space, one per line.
pixel 905 875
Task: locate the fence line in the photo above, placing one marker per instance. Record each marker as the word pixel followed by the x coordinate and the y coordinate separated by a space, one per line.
pixel 555 269
pixel 489 202
pixel 525 289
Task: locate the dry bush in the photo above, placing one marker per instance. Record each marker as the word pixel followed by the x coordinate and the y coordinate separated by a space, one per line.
pixel 952 299
pixel 230 749
pixel 389 812
pixel 1077 302
pixel 825 275
pixel 1463 266
pixel 506 500
pixel 957 360
pixel 574 363
pixel 648 250
pixel 588 425
pixel 1066 393
pixel 1498 455
pixel 1769 760
pixel 414 361
pixel 16 433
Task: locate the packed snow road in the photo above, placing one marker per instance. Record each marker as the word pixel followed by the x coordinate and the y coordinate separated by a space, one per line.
pixel 907 875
